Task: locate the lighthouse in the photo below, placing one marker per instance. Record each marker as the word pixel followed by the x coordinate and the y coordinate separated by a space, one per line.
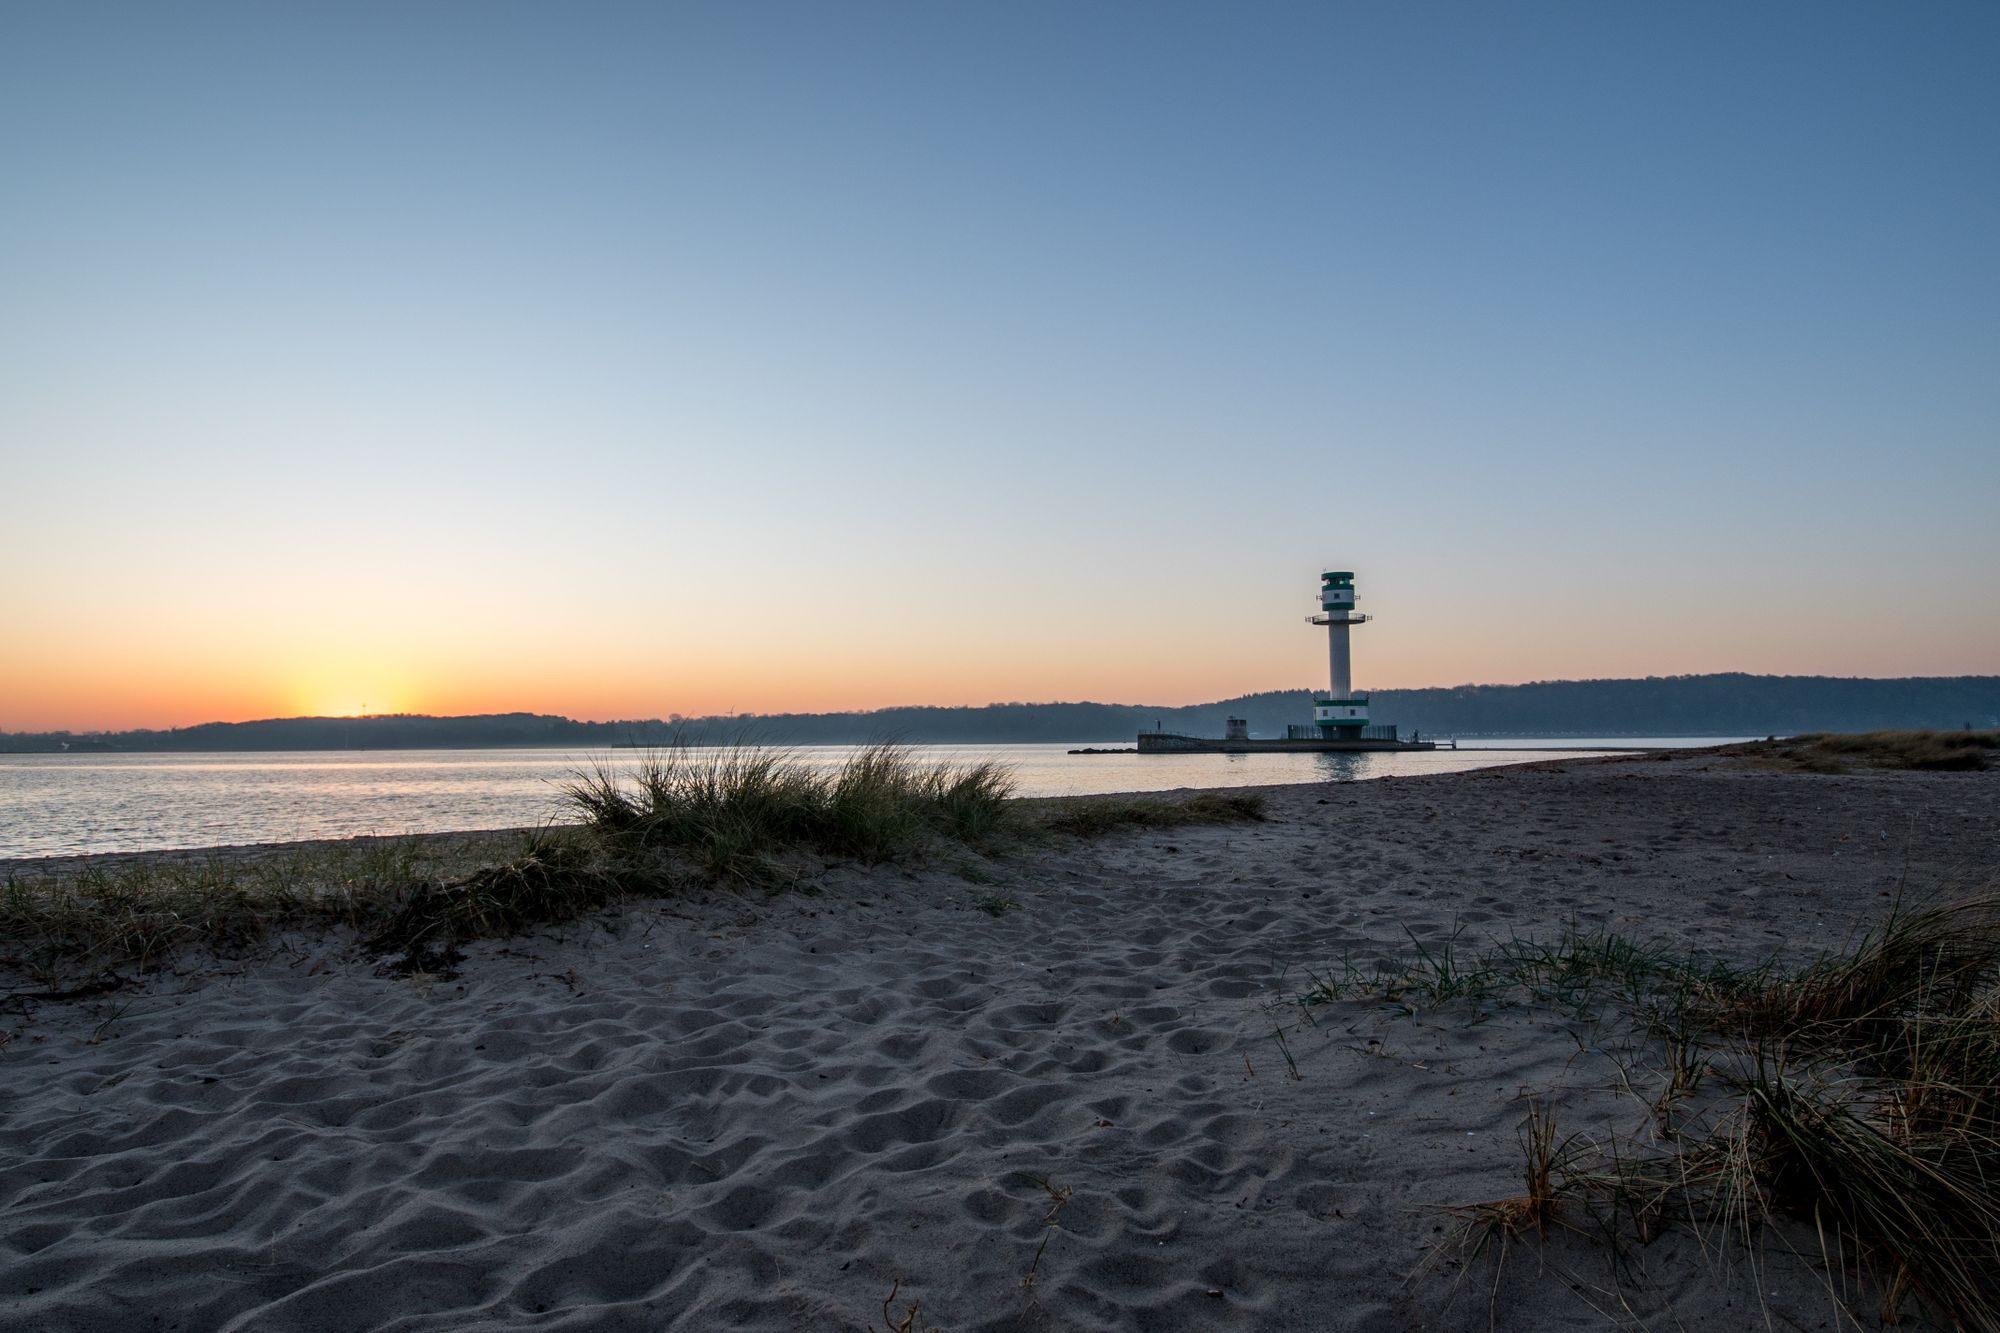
pixel 1339 723
pixel 1340 714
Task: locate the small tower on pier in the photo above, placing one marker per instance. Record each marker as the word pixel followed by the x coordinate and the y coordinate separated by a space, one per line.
pixel 1340 714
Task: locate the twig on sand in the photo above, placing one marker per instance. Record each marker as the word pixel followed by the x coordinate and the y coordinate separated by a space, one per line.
pixel 1059 1196
pixel 908 1322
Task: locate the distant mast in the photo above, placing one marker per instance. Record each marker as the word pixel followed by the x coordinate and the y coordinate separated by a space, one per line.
pixel 1341 713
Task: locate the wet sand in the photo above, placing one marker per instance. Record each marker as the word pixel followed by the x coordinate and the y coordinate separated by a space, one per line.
pixel 765 1112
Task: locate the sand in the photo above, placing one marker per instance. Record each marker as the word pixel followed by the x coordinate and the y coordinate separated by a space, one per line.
pixel 765 1112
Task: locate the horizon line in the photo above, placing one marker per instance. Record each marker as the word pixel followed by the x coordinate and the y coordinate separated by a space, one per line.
pixel 676 719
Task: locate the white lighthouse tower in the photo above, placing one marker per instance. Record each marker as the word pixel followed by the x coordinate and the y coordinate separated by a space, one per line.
pixel 1340 713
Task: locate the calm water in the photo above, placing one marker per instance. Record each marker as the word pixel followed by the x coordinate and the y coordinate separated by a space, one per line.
pixel 58 804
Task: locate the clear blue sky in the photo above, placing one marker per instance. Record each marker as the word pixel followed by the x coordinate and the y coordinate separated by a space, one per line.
pixel 622 360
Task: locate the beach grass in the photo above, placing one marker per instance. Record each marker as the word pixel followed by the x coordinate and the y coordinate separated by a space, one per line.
pixel 1857 1094
pixel 674 820
pixel 1843 752
pixel 1539 1205
pixel 1940 956
pixel 137 911
pixel 556 876
pixel 1580 972
pixel 1089 816
pixel 738 811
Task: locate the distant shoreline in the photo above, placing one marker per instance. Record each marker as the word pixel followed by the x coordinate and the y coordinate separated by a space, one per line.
pixel 86 751
pixel 1724 704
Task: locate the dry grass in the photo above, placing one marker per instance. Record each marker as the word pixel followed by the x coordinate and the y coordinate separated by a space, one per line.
pixel 557 876
pixel 739 812
pixel 1858 1095
pixel 1842 752
pixel 1538 1206
pixel 682 816
pixel 1088 816
pixel 141 911
pixel 723 815
pixel 1940 956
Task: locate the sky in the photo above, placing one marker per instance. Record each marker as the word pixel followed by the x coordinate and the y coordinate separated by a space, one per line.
pixel 621 361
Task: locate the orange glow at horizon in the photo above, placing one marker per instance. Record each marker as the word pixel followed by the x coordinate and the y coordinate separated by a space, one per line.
pixel 220 640
pixel 91 686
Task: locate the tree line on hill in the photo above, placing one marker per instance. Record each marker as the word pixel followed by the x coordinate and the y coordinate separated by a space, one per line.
pixel 1714 705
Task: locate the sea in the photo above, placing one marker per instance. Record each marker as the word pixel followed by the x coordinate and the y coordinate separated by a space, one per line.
pixel 70 804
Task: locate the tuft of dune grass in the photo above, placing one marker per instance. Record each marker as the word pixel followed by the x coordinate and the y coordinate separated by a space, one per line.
pixel 737 811
pixel 1858 1094
pixel 1937 956
pixel 1842 752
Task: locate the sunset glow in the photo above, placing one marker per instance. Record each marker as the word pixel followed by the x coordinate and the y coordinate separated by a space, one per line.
pixel 657 367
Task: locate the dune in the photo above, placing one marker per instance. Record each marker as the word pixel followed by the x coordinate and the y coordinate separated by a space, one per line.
pixel 1060 1085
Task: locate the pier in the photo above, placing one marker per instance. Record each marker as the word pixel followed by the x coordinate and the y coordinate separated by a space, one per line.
pixel 1166 742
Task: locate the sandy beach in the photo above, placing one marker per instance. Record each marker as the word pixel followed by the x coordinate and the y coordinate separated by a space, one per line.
pixel 1065 1085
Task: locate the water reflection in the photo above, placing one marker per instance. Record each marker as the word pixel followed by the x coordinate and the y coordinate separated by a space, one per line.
pixel 1341 767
